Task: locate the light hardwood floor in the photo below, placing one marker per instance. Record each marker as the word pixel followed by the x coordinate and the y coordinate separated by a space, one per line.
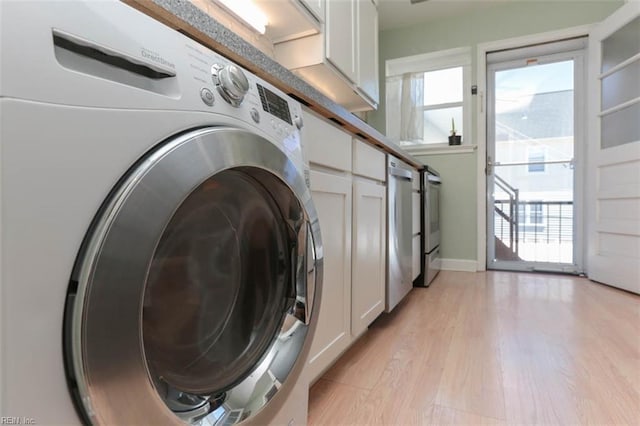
pixel 492 348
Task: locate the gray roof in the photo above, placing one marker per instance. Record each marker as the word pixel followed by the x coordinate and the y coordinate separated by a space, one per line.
pixel 548 115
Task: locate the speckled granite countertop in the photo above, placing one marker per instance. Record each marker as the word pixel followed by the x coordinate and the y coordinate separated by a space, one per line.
pixel 195 23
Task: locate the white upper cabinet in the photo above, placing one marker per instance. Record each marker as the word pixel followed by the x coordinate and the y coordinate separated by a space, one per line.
pixel 289 19
pixel 340 36
pixel 342 60
pixel 316 7
pixel 367 27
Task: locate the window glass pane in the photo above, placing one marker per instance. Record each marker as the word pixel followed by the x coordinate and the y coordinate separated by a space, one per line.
pixel 443 86
pixel 621 86
pixel 536 156
pixel 555 185
pixel 621 127
pixel 533 213
pixel 527 150
pixel 437 124
pixel 394 95
pixel 537 167
pixel 621 45
pixel 534 103
pixel 534 115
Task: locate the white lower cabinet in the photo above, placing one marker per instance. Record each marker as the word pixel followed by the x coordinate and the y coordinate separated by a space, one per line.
pixel 332 196
pixel 369 254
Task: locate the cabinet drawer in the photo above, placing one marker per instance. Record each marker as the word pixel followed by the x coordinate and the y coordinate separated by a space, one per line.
pixel 324 144
pixel 368 161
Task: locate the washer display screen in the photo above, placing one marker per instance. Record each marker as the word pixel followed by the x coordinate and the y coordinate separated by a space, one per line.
pixel 274 104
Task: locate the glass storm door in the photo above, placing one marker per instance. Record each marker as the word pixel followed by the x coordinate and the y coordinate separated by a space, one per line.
pixel 192 299
pixel 533 137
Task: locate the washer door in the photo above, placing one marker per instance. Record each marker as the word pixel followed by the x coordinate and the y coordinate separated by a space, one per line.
pixel 192 298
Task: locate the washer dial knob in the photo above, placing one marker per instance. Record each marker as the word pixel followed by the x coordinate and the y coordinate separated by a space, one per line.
pixel 231 83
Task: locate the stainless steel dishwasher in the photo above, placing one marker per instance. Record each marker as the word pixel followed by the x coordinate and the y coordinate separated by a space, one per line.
pixel 399 223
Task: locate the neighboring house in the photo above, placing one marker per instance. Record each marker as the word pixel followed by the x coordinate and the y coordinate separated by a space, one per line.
pixel 540 130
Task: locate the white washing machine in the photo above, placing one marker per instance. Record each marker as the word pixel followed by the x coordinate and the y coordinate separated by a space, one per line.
pixel 160 253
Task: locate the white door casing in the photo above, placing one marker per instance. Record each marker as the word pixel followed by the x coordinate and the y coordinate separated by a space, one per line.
pixel 535 57
pixel 613 203
pixel 481 111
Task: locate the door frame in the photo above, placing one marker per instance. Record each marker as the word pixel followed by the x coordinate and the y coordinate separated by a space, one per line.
pixel 481 121
pixel 578 56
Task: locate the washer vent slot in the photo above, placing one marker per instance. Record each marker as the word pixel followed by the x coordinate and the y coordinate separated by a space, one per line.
pixel 90 58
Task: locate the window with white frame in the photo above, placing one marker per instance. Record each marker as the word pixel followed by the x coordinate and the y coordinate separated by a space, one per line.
pixel 428 95
pixel 536 157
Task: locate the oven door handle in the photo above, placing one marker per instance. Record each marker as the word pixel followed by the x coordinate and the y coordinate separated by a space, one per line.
pixel 401 173
pixel 434 180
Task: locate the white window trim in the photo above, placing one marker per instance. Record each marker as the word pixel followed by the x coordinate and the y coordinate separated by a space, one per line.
pixel 450 58
pixel 428 61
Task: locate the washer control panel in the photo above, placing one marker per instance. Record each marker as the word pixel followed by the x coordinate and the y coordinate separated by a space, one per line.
pixel 274 104
pixel 223 87
pixel 231 82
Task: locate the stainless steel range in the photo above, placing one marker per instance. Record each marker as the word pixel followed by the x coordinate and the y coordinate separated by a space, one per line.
pixel 430 187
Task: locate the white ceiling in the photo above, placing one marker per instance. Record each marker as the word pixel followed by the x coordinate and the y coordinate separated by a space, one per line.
pixel 401 13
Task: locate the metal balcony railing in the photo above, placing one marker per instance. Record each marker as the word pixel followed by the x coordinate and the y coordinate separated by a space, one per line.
pixel 535 222
pixel 546 221
pixel 506 226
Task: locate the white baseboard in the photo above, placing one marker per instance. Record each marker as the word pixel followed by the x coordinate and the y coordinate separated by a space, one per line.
pixel 458 265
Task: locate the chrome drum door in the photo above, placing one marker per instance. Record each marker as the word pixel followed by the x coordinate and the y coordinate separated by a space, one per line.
pixel 192 298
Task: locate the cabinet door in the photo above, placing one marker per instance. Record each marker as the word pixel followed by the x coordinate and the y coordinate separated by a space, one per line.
pixel 316 7
pixel 332 198
pixel 369 254
pixel 340 36
pixel 367 27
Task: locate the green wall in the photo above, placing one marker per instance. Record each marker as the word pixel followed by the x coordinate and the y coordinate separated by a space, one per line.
pixel 513 19
pixel 458 220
